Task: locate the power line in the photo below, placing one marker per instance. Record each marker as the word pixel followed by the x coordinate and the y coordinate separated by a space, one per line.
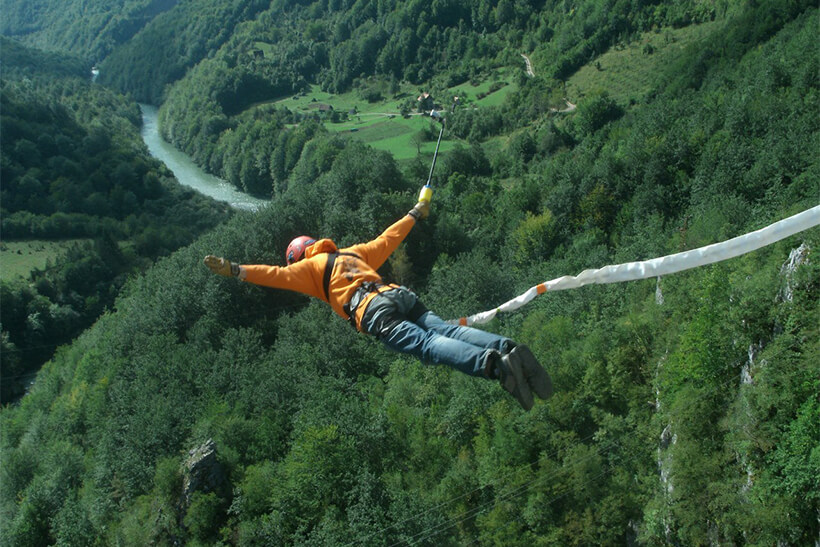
pixel 450 501
pixel 517 492
pixel 521 490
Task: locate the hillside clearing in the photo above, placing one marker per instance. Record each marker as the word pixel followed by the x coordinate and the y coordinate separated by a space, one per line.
pixel 628 72
pixel 20 258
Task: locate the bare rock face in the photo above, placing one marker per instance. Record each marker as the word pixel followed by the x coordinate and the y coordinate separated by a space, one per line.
pixel 202 472
pixel 797 257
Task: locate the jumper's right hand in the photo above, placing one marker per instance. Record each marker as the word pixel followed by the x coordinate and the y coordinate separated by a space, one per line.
pixel 221 266
pixel 421 210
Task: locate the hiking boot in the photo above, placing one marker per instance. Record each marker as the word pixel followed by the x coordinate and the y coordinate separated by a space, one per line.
pixel 534 374
pixel 512 380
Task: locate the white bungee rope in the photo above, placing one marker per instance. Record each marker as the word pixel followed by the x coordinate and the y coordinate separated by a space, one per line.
pixel 664 265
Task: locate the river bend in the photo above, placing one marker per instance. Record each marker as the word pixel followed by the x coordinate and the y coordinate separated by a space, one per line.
pixel 186 171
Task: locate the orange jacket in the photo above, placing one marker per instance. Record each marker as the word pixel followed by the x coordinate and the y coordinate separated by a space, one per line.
pixel 307 275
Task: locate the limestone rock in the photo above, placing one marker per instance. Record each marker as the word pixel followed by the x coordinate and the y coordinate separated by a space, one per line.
pixel 202 472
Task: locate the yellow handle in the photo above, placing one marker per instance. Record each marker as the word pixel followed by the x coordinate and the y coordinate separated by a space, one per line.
pixel 426 194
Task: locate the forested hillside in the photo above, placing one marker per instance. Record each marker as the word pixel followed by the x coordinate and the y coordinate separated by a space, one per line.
pixel 90 29
pixel 172 43
pixel 238 53
pixel 686 408
pixel 74 167
pixel 370 45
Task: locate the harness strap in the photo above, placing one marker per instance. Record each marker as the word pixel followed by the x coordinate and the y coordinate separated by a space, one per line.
pixel 361 295
pixel 361 292
pixel 331 260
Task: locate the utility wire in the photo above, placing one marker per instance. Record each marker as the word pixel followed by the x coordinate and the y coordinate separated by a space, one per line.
pixel 521 490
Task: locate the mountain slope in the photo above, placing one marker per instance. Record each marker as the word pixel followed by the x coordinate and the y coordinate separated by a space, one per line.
pixel 90 29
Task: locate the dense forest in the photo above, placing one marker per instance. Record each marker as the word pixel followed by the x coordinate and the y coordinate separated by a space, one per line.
pixel 88 29
pixel 686 408
pixel 74 167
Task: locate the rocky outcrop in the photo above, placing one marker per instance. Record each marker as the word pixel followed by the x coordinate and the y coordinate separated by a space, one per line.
pixel 202 472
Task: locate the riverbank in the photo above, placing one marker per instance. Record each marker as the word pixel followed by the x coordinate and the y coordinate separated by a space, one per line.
pixel 186 171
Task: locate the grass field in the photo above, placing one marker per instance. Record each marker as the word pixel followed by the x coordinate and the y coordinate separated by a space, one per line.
pixel 19 258
pixel 629 71
pixel 381 125
pixel 310 100
pixel 472 92
pixel 399 136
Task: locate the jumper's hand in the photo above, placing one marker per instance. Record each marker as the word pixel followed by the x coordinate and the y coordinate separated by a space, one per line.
pixel 421 210
pixel 221 266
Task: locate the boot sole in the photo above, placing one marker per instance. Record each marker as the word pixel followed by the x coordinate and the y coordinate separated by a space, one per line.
pixel 521 392
pixel 535 375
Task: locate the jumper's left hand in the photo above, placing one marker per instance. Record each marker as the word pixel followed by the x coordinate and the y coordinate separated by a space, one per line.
pixel 221 266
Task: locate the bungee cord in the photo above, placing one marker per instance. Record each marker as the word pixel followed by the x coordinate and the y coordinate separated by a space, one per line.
pixel 661 266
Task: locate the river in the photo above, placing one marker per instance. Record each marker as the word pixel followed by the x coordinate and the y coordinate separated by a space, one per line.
pixel 186 171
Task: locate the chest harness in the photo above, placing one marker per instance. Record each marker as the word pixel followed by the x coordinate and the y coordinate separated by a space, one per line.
pixel 361 292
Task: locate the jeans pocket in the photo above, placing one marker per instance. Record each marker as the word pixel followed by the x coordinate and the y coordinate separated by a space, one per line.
pixel 404 299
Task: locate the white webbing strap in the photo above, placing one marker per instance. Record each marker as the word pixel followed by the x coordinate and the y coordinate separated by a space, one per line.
pixel 664 265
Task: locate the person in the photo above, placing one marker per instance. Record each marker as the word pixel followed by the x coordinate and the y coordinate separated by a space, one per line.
pixel 347 280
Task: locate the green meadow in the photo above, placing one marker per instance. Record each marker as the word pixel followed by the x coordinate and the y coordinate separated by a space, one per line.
pixel 627 72
pixel 381 125
pixel 19 258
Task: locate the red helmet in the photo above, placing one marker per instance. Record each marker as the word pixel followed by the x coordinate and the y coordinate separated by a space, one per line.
pixel 296 249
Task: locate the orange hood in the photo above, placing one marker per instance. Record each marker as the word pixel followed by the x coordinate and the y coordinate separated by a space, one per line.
pixel 320 247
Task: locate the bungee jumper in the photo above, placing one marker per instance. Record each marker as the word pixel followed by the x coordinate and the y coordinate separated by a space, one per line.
pixel 347 280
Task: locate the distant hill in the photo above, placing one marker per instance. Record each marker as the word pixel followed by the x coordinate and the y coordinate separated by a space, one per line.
pixel 90 29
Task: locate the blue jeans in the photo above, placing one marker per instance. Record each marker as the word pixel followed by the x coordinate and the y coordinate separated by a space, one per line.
pixel 401 323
